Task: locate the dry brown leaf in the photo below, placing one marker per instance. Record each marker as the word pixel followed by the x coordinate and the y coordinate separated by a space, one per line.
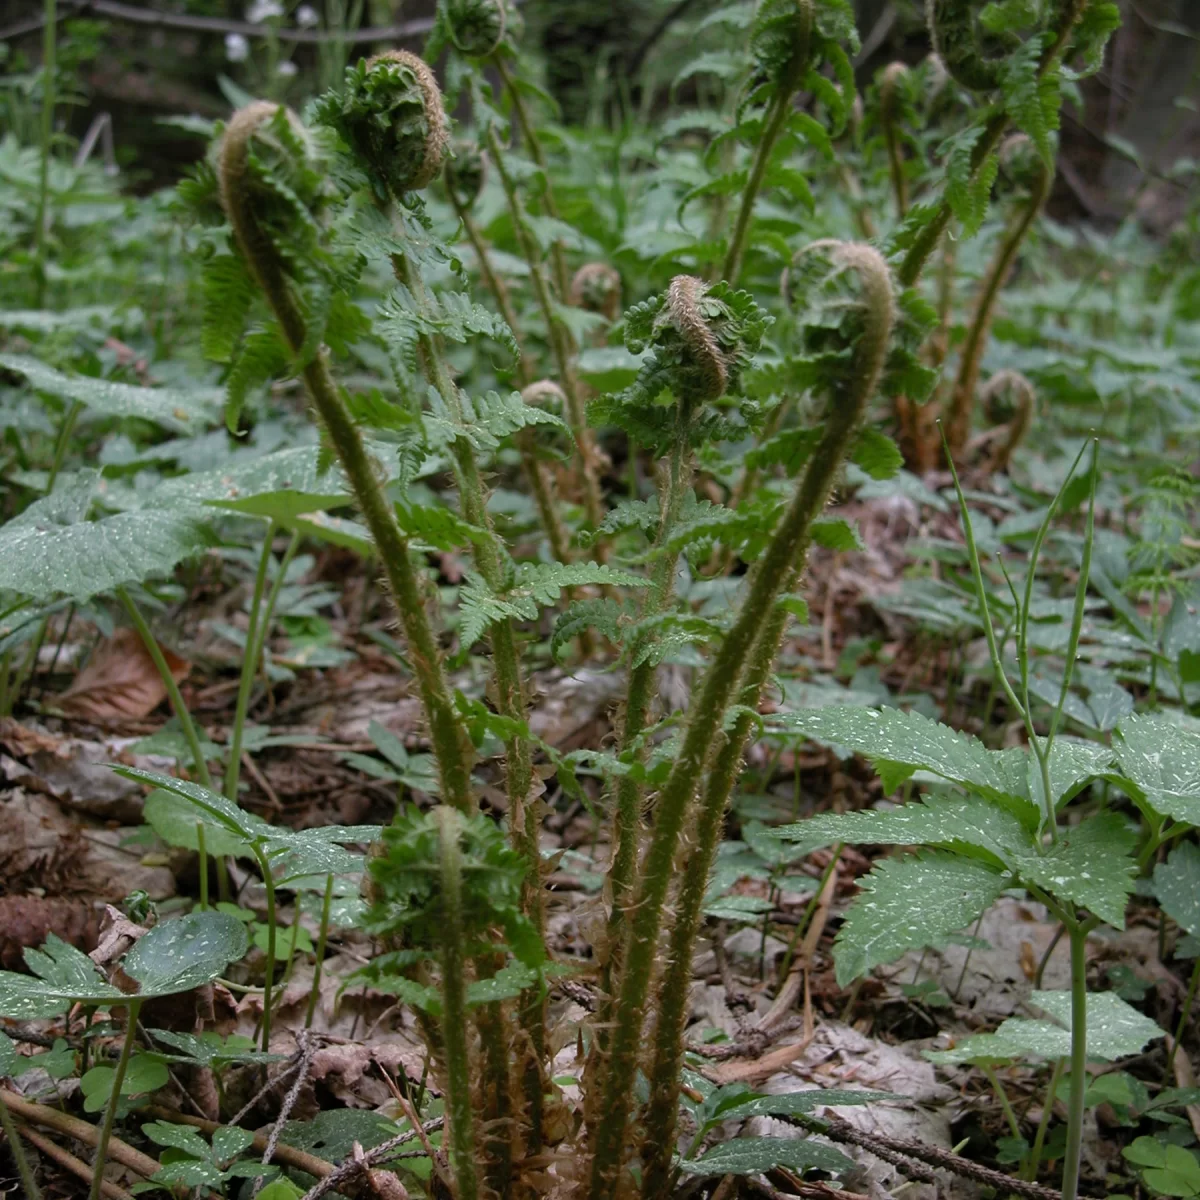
pixel 756 1070
pixel 1185 1077
pixel 120 682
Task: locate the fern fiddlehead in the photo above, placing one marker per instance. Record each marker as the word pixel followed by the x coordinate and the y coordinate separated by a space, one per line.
pixel 370 94
pixel 257 135
pixel 850 393
pixel 742 648
pixel 1028 168
pixel 1008 399
pixel 891 81
pixel 958 42
pixel 699 337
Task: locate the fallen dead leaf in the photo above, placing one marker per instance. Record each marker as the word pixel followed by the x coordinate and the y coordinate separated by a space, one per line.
pixel 120 682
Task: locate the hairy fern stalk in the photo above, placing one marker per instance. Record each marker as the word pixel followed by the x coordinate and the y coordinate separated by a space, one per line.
pixel 454 317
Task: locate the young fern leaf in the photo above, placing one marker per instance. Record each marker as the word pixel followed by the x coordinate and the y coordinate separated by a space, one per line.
pixel 701 339
pixel 737 672
pixel 257 183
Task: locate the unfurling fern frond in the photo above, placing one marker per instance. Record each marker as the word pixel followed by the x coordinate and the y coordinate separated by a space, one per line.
pixel 390 115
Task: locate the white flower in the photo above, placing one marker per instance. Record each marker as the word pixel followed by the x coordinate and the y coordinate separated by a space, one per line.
pixel 306 16
pixel 264 10
pixel 287 68
pixel 237 49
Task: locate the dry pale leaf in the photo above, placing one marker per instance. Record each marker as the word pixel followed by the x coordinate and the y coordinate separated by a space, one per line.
pixel 120 682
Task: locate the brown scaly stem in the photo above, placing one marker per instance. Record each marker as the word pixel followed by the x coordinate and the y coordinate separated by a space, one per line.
pixel 962 396
pixel 510 700
pixel 847 411
pixel 706 716
pixel 461 1137
pixel 923 245
pixel 627 819
pixel 451 746
pixel 560 341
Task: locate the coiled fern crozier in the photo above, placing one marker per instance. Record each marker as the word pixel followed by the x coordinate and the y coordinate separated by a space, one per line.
pixel 750 643
pixel 849 393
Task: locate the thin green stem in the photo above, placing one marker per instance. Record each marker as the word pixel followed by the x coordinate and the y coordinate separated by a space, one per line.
pixel 560 338
pixel 456 1055
pixel 114 1100
pixel 539 484
pixel 17 1149
pixel 780 110
pixel 1073 1155
pixel 182 714
pixel 762 621
pixel 319 964
pixel 706 715
pixel 202 860
pixel 264 866
pixel 249 666
pixel 1029 1168
pixel 802 925
pixel 533 144
pixel 629 793
pixel 60 446
pixel 49 85
pixel 962 397
pixel 1185 1016
pixel 1005 1104
pixel 927 239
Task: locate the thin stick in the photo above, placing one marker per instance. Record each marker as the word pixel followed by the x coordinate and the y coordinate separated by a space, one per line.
pixel 32 1191
pixel 69 1162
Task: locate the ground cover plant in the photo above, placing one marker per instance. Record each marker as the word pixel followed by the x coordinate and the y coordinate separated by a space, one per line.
pixel 651 658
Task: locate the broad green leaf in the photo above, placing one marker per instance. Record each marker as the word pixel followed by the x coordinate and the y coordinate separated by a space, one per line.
pixel 185 952
pixel 909 903
pixel 282 485
pixel 175 819
pixel 1114 1030
pixel 94 557
pixel 64 976
pixel 1168 1169
pixel 1091 865
pixel 183 410
pixel 966 823
pixel 751 1155
pixel 224 812
pixel 751 1104
pixel 908 740
pixel 1162 761
pixel 229 1141
pixel 876 454
pixel 1177 886
pixel 144 1074
pixel 10 1061
pixel 508 982
pixel 281 1189
pixel 177 1137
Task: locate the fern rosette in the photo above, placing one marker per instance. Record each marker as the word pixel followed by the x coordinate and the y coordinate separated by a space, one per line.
pixel 701 338
pixel 475 27
pixel 390 115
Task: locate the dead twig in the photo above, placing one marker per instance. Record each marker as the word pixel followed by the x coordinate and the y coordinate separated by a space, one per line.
pixel 69 1162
